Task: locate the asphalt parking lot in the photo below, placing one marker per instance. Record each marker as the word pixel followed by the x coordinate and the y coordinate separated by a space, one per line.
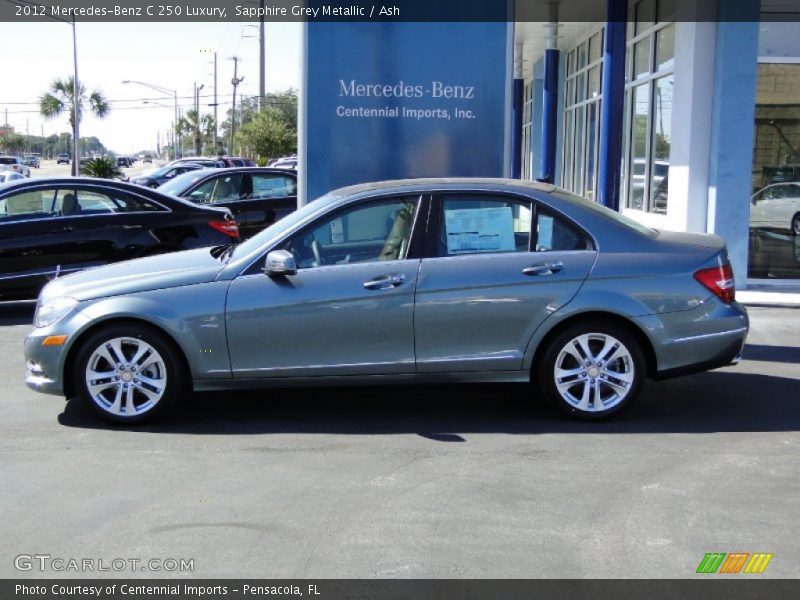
pixel 451 482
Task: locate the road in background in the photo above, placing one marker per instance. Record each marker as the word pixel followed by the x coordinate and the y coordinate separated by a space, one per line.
pixel 49 168
pixel 449 481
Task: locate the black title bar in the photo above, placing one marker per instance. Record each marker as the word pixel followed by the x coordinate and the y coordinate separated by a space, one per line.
pixel 381 12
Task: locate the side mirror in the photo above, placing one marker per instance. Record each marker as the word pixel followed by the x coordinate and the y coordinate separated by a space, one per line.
pixel 280 262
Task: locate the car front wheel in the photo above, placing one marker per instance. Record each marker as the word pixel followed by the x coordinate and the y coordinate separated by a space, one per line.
pixel 592 370
pixel 127 374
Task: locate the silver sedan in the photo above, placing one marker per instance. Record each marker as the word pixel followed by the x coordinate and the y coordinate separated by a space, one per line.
pixel 445 280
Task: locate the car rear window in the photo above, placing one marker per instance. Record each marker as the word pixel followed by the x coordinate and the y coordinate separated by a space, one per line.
pixel 606 212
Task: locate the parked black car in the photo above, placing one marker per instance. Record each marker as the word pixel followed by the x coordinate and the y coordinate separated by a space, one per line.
pixel 256 196
pixel 212 163
pixel 60 225
pixel 124 161
pixel 156 177
pixel 236 161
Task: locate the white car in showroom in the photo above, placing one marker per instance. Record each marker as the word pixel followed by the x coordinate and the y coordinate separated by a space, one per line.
pixel 776 206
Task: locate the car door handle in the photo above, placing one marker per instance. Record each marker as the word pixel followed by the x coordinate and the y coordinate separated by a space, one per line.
pixel 543 269
pixel 65 229
pixel 385 282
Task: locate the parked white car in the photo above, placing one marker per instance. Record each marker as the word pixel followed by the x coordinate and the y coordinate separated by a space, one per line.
pixel 777 206
pixel 15 164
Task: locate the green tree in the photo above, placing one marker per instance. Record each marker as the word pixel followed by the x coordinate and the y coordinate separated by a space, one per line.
pixel 61 98
pixel 267 135
pixel 12 143
pixel 285 102
pixel 198 129
pixel 103 168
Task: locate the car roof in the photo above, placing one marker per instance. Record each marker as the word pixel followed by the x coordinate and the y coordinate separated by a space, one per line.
pixel 444 183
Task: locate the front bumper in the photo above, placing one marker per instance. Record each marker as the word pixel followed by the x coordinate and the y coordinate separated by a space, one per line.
pixel 45 365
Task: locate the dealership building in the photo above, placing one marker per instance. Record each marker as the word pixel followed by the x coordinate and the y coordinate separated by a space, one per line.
pixel 683 115
pixel 709 114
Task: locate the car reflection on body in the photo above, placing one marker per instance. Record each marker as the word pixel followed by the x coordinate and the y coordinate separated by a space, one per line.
pixel 444 280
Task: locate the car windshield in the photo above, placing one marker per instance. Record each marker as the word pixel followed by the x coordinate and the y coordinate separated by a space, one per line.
pixel 179 184
pixel 5 160
pixel 277 228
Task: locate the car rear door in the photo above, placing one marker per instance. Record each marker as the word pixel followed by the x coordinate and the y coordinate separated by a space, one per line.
pixel 40 237
pixel 119 226
pixel 496 267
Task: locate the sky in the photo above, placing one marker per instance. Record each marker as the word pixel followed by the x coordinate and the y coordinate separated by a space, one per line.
pixel 169 55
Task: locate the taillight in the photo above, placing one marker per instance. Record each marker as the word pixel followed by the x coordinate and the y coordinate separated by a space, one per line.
pixel 720 281
pixel 229 228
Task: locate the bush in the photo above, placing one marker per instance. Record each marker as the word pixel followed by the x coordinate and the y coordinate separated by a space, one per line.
pixel 102 168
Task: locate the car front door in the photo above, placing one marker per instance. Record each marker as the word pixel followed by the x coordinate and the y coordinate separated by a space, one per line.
pixel 349 309
pixel 496 267
pixel 40 237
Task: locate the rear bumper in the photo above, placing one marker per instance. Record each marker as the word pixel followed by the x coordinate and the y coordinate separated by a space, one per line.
pixel 707 337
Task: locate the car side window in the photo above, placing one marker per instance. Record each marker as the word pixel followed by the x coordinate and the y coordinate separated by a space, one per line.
pixel 472 224
pixel 553 233
pixel 374 231
pixel 218 189
pixel 273 186
pixel 90 202
pixel 26 206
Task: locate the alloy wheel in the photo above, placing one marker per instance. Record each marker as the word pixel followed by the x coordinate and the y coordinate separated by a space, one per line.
pixel 126 376
pixel 594 372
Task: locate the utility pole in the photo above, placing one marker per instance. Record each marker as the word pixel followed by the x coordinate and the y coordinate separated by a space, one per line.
pixel 76 86
pixel 216 106
pixel 262 55
pixel 234 82
pixel 198 148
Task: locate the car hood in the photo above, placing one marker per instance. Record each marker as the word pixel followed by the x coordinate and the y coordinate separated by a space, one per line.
pixel 175 269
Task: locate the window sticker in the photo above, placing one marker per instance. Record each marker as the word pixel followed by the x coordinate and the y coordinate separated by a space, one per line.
pixel 545 238
pixel 337 232
pixel 472 230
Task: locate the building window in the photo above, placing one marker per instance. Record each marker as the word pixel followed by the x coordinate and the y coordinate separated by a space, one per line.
pixel 583 85
pixel 527 140
pixel 650 80
pixel 775 200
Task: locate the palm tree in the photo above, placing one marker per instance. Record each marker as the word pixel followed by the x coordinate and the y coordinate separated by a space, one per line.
pixel 200 130
pixel 104 168
pixel 61 98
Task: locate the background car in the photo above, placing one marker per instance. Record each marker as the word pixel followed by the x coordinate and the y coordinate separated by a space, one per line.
pixel 63 159
pixel 287 162
pixel 124 161
pixel 32 161
pixel 156 177
pixel 777 206
pixel 9 176
pixel 451 280
pixel 56 226
pixel 14 163
pixel 209 163
pixel 257 196
pixel 237 161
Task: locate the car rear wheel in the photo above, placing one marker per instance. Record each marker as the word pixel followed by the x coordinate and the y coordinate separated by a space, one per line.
pixel 127 374
pixel 592 370
pixel 796 224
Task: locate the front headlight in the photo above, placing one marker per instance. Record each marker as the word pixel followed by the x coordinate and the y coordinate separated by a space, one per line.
pixel 52 311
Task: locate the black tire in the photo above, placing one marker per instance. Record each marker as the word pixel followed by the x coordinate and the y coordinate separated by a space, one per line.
pixel 795 226
pixel 169 369
pixel 608 378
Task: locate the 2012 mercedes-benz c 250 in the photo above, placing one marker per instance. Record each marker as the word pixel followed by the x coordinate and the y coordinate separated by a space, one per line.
pixel 455 280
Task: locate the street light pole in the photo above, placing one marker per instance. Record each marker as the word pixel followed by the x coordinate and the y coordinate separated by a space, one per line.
pixel 163 90
pixel 76 106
